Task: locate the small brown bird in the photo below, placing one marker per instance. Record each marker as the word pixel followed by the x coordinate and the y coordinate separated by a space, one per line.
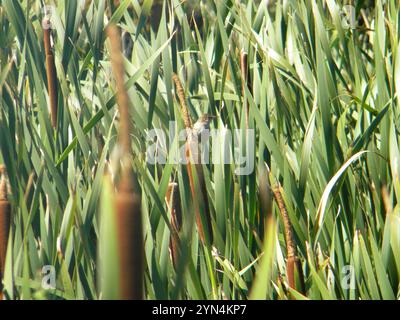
pixel 199 136
pixel 202 124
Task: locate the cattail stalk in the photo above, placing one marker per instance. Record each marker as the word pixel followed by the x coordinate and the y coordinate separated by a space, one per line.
pixel 196 204
pixel 5 219
pixel 50 72
pixel 265 197
pixel 203 188
pixel 117 63
pixel 293 265
pixel 173 201
pixel 245 82
pixel 386 200
pixel 192 147
pixel 127 199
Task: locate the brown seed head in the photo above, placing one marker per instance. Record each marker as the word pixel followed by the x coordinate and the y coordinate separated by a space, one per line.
pixel 50 72
pixel 130 245
pixel 182 101
pixel 173 202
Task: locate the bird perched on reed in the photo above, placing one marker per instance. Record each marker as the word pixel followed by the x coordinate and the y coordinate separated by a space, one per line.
pixel 192 157
pixel 202 124
pixel 198 136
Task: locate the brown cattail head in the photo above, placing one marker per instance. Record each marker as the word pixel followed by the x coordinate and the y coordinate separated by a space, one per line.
pixel 289 237
pixel 5 220
pixel 127 198
pixel 50 71
pixel 174 204
pixel 243 68
pixel 130 239
pixel 295 274
pixel 182 101
pixel 386 199
pixel 264 195
pixel 294 269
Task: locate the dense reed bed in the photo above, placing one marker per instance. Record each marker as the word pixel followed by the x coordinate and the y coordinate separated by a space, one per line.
pixel 306 94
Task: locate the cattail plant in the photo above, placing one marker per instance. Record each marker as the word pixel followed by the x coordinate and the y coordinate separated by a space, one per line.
pixel 293 265
pixel 5 218
pixel 182 100
pixel 127 198
pixel 244 68
pixel 174 203
pixel 192 149
pixel 386 199
pixel 265 197
pixel 130 239
pixel 50 71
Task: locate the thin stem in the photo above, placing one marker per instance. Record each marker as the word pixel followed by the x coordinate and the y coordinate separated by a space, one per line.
pixel 51 73
pixel 117 63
